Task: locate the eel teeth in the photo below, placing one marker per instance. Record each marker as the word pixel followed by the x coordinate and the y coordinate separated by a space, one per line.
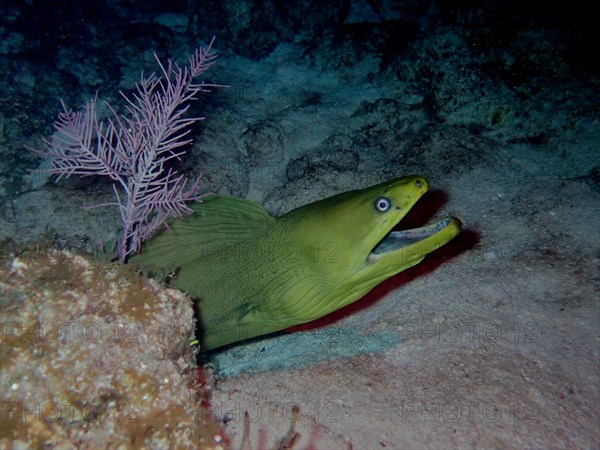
pixel 395 240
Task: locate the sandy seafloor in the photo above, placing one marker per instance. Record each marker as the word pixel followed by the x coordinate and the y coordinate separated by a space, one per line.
pixel 492 341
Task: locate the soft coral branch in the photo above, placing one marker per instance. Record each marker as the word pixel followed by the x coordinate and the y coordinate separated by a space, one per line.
pixel 133 149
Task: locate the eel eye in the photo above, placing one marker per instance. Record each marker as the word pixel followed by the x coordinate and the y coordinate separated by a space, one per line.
pixel 382 204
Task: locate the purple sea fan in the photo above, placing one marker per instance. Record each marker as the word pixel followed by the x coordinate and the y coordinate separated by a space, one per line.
pixel 133 149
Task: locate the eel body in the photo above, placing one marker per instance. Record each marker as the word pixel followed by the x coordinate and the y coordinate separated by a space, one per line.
pixel 253 274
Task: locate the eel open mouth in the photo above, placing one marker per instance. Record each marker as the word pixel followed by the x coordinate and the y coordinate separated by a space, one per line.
pixel 396 240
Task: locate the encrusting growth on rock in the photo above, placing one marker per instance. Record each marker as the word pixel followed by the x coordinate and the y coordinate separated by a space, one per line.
pixel 94 356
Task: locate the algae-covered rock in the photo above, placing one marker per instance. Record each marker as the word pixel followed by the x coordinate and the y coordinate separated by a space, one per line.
pixel 95 356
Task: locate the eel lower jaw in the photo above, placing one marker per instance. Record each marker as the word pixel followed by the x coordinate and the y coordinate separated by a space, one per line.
pixel 397 240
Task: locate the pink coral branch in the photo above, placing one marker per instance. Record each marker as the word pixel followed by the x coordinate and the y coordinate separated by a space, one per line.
pixel 133 149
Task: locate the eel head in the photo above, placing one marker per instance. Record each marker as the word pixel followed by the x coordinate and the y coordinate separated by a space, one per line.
pixel 356 231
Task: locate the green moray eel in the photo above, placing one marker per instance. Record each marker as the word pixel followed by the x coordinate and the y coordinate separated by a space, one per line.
pixel 254 274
